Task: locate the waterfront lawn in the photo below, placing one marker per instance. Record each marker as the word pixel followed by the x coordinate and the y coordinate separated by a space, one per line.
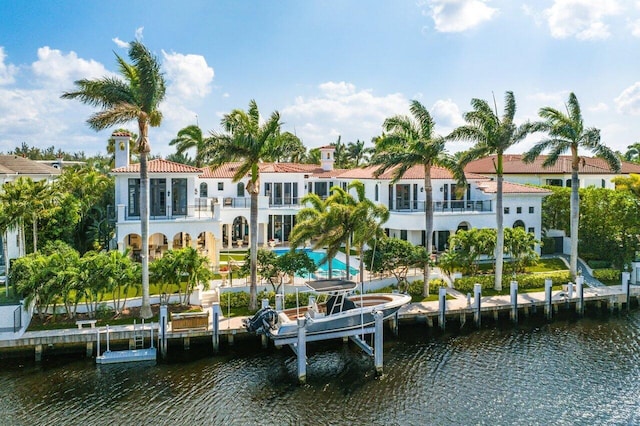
pixel 10 299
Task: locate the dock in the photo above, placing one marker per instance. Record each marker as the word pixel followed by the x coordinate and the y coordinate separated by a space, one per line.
pixel 459 308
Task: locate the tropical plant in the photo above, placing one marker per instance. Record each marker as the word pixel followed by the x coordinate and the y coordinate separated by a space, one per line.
pixel 411 141
pixel 471 245
pixel 521 247
pixel 290 149
pixel 357 154
pixel 311 226
pixel 492 134
pixel 191 137
pixel 567 133
pixel 246 140
pixel 394 256
pixel 134 96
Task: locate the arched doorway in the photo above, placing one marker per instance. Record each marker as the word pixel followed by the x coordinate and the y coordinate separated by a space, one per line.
pixel 158 244
pixel 518 224
pixel 181 240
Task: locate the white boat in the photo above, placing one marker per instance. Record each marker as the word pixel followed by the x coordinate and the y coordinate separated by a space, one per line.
pixel 342 311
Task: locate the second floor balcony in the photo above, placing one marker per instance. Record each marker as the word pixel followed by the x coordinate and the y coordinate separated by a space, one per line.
pixel 455 206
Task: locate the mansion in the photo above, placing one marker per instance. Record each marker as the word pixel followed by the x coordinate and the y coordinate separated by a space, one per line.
pixel 203 207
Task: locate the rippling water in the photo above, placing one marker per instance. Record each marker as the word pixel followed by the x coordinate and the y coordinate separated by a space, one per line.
pixel 565 372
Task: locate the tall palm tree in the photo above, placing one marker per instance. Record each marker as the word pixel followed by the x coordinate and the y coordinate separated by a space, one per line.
pixel 492 134
pixel 408 142
pixel 566 132
pixel 191 137
pixel 357 153
pixel 310 225
pixel 633 152
pixel 247 140
pixel 134 96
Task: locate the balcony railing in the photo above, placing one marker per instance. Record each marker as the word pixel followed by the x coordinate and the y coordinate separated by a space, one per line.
pixel 198 211
pixel 457 206
pixel 284 202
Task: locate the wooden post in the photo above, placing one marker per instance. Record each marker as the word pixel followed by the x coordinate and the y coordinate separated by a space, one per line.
pixel 477 295
pixel 514 301
pixel 442 297
pixel 378 340
pixel 302 350
pixel 548 310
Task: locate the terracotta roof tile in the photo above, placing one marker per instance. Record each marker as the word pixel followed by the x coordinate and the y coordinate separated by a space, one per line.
pixel 491 187
pixel 415 172
pixel 127 134
pixel 513 164
pixel 159 166
pixel 228 170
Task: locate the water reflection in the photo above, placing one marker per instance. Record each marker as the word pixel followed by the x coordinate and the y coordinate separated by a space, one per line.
pixel 565 372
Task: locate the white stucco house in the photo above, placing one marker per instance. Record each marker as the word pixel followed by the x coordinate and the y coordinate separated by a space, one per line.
pixel 204 209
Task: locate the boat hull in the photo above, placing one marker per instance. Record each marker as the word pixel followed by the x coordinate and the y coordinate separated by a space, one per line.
pixel 360 317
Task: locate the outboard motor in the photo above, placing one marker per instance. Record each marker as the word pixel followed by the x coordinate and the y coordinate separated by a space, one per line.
pixel 263 320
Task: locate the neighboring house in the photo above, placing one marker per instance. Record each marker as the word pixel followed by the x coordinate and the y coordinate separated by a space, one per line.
pixel 11 168
pixel 204 209
pixel 593 171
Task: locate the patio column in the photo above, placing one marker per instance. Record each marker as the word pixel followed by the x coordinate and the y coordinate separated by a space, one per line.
pixel 264 235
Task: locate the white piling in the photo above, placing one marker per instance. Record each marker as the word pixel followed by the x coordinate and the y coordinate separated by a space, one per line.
pixel 279 302
pixel 163 330
pixel 477 295
pixel 548 310
pixel 514 301
pixel 378 340
pixel 580 291
pixel 442 297
pixel 570 290
pixel 302 350
pixel 216 313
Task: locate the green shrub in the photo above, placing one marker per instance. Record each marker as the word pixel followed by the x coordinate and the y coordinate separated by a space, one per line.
pixel 415 288
pixel 599 264
pixel 608 275
pixel 525 281
pixel 234 300
pixel 548 245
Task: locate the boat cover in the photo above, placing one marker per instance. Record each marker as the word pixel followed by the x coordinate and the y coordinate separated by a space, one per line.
pixel 331 285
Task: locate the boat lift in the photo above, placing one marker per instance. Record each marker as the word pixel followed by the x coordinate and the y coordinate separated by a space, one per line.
pixel 130 355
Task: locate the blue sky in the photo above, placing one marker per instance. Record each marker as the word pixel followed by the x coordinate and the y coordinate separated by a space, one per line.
pixel 330 67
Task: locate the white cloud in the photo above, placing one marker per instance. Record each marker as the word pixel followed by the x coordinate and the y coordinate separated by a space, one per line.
pixel 452 16
pixel 7 71
pixel 54 68
pixel 600 107
pixel 552 99
pixel 225 95
pixel 629 100
pixel 635 27
pixel 139 33
pixel 189 75
pixel 341 109
pixel 446 114
pixel 583 19
pixel 120 43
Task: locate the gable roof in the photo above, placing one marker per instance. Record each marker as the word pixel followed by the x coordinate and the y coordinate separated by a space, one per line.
pixel 16 165
pixel 513 164
pixel 159 165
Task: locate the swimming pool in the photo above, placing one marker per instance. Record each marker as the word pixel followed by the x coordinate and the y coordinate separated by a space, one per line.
pixel 337 265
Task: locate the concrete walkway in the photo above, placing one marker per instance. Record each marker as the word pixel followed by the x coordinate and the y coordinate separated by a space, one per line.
pixel 583 269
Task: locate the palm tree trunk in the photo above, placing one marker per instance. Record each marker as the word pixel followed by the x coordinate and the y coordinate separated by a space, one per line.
pixel 253 296
pixel 499 253
pixel 575 217
pixel 348 262
pixel 145 311
pixel 428 224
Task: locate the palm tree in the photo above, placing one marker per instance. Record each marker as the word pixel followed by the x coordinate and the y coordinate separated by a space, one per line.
pixel 134 97
pixel 191 137
pixel 250 142
pixel 493 135
pixel 566 132
pixel 412 142
pixel 310 225
pixel 633 152
pixel 357 153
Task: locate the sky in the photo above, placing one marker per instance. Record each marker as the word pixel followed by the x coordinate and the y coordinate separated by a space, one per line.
pixel 331 68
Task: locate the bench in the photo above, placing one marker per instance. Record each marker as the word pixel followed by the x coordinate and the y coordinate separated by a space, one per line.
pixel 190 321
pixel 91 323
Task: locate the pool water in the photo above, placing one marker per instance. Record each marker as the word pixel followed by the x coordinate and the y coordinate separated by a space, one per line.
pixel 317 256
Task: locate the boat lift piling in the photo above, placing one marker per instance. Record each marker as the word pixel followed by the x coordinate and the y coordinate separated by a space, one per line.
pixel 216 313
pixel 580 291
pixel 163 330
pixel 548 309
pixel 442 297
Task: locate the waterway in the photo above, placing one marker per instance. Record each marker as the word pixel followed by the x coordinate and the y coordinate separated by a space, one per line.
pixel 582 372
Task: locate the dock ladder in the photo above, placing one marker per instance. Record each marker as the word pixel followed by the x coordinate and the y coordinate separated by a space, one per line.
pixel 138 335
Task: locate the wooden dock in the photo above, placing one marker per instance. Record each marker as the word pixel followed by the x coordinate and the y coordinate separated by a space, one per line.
pixel 459 309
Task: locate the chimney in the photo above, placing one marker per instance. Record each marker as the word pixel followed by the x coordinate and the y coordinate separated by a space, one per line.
pixel 121 148
pixel 326 157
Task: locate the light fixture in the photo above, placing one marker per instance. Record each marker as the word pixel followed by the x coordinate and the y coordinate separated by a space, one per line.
pixel 441 188
pixel 422 189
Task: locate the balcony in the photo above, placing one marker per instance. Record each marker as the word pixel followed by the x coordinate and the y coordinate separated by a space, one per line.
pixel 457 206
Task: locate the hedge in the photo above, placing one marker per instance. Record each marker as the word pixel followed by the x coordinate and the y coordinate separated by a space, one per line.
pixel 525 281
pixel 608 275
pixel 416 287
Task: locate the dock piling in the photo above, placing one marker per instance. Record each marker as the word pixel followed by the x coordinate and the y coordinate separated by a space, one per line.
pixel 378 340
pixel 477 295
pixel 215 315
pixel 548 310
pixel 626 288
pixel 302 350
pixel 442 297
pixel 580 291
pixel 514 301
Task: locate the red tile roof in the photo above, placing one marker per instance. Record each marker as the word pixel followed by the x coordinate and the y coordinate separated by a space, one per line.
pixel 513 164
pixel 126 134
pixel 159 166
pixel 228 170
pixel 415 172
pixel 491 187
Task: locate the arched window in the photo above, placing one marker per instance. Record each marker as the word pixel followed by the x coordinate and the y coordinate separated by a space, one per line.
pixel 240 189
pixel 518 224
pixel 204 190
